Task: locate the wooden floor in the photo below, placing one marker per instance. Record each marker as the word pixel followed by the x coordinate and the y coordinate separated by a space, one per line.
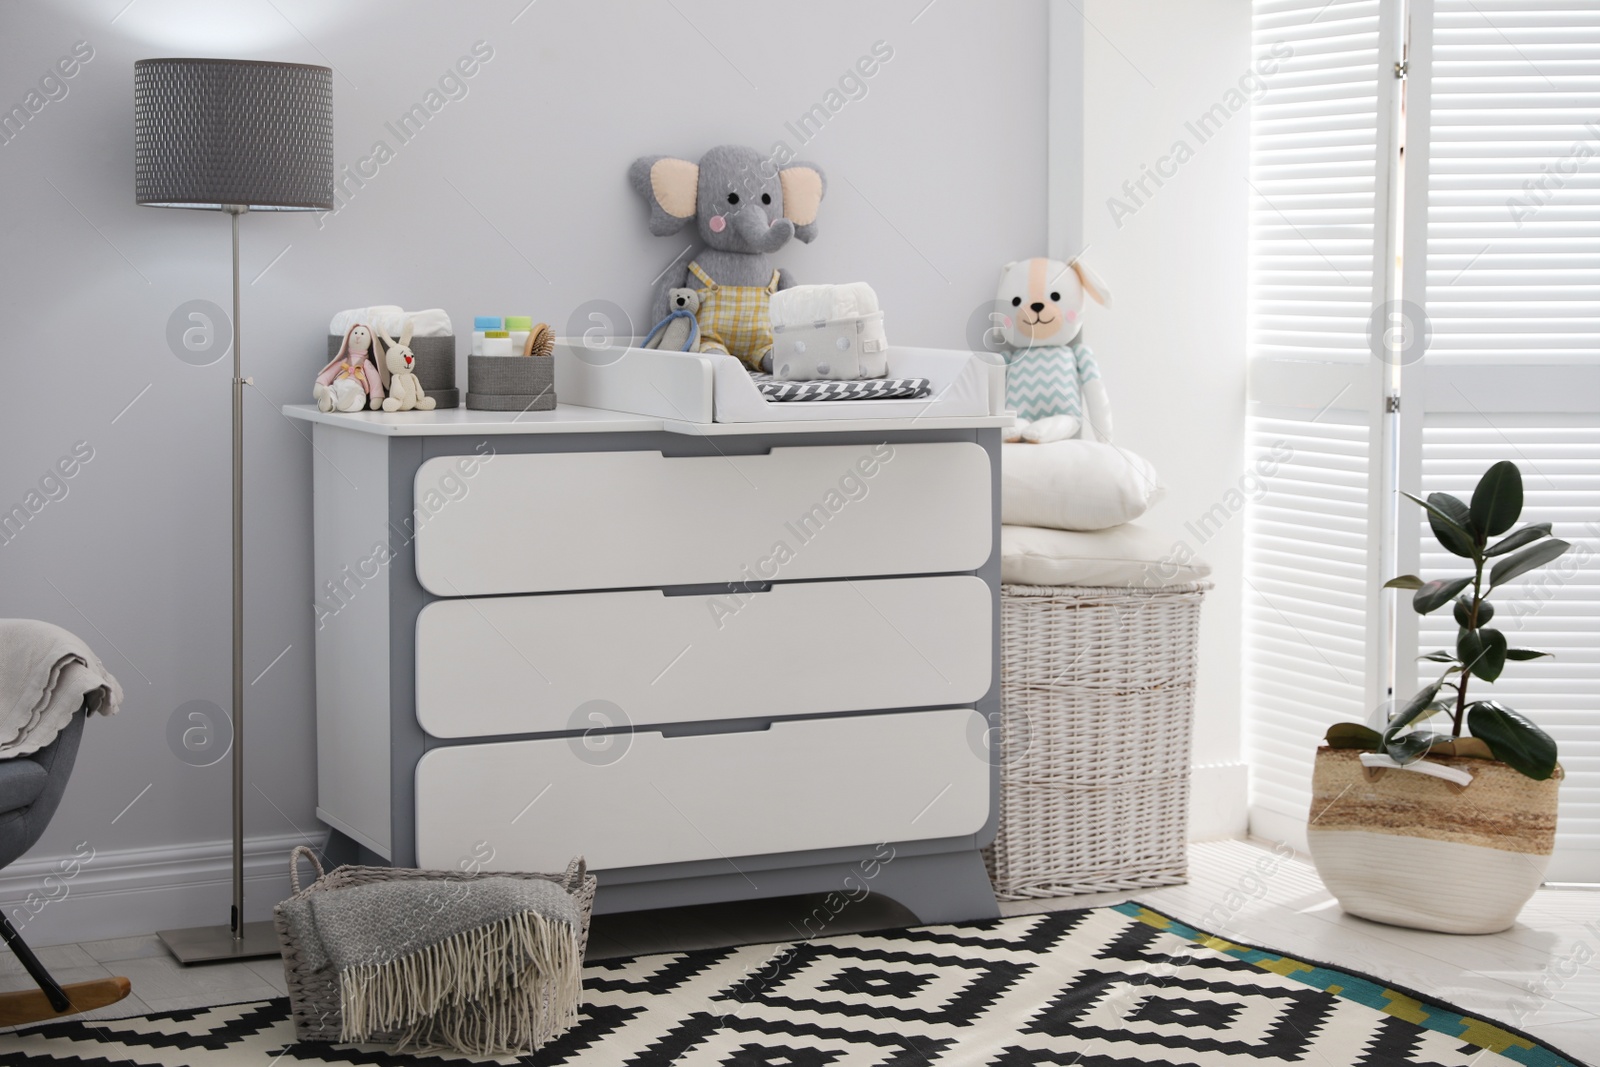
pixel 1542 976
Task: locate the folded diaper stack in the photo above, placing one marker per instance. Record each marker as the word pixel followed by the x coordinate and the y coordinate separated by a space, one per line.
pixel 433 343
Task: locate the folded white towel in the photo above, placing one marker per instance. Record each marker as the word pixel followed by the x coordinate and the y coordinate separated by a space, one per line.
pixel 432 322
pixel 46 675
pixel 345 319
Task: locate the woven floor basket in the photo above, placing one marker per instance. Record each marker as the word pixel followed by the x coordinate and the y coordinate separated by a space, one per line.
pixel 1097 701
pixel 314 994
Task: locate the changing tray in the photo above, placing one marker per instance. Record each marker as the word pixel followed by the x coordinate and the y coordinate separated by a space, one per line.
pixel 711 387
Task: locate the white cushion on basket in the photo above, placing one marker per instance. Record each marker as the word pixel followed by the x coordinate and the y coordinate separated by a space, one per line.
pixel 1074 485
pixel 1126 555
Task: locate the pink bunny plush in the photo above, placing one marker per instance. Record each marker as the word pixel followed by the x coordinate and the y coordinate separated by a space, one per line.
pixel 351 381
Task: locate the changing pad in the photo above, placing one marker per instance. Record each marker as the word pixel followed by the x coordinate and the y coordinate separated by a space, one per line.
pixel 778 391
pixel 706 387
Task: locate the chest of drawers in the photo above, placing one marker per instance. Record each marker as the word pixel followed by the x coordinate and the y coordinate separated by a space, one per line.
pixel 719 664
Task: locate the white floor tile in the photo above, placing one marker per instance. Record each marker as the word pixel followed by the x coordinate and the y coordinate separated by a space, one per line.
pixel 158 979
pixel 125 948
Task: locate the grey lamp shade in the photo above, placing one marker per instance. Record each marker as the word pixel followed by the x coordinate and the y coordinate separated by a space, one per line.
pixel 215 132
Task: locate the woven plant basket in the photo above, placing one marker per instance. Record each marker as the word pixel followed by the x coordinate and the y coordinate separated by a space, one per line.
pixel 1096 705
pixel 314 994
pixel 1408 849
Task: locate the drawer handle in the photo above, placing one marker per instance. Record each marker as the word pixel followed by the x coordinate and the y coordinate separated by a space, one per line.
pixel 719 589
pixel 714 729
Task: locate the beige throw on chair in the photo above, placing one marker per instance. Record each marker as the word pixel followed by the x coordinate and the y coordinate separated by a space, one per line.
pixel 46 674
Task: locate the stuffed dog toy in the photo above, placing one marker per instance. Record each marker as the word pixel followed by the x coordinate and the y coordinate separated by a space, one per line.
pixel 1052 380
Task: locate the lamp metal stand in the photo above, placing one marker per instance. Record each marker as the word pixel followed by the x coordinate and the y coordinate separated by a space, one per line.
pixel 238 940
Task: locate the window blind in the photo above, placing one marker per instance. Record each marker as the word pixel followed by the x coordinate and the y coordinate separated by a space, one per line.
pixel 1314 159
pixel 1306 605
pixel 1513 181
pixel 1319 134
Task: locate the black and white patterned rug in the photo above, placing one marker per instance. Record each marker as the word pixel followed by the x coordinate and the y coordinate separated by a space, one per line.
pixel 1102 987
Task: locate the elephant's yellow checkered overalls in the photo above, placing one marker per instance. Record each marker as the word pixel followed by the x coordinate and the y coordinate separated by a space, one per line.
pixel 735 318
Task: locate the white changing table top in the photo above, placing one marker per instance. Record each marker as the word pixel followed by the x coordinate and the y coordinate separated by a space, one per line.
pixel 570 418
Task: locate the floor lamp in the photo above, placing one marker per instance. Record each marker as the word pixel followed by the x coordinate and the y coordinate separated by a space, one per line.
pixel 233 135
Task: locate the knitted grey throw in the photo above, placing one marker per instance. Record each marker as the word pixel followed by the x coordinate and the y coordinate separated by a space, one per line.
pixel 488 967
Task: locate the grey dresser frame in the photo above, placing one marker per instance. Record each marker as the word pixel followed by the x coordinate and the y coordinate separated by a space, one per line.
pixel 941 880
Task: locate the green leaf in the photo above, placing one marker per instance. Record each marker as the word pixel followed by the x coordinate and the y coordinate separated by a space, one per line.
pixel 1353 735
pixel 1514 740
pixel 1405 581
pixel 1414 709
pixel 1435 595
pixel 1463 611
pixel 1525 653
pixel 1497 501
pixel 1526 560
pixel 1413 745
pixel 1449 518
pixel 1440 656
pixel 1525 536
pixel 1483 651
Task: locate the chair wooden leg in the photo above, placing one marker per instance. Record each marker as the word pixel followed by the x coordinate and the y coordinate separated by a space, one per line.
pixel 30 1006
pixel 30 963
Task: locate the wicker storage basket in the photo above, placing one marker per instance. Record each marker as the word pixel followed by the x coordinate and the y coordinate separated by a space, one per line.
pixel 1096 699
pixel 314 994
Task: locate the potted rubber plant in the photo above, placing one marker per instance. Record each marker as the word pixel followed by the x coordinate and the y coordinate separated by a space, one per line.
pixel 1447 827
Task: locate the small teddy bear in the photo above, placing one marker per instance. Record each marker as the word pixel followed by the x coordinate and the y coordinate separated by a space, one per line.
pixel 1052 380
pixel 680 330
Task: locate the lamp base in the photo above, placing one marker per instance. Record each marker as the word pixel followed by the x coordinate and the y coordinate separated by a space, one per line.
pixel 213 944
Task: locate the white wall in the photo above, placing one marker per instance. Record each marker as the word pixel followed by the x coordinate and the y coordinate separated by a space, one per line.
pixel 1173 347
pixel 512 198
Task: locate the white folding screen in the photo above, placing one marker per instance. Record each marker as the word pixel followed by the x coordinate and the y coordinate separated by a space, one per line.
pixel 1320 132
pixel 1497 308
pixel 1502 253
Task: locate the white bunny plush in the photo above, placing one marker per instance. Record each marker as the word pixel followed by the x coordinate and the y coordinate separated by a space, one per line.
pixel 405 390
pixel 1052 380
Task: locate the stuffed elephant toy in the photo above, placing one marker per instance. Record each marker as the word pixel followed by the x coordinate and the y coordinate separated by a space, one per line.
pixel 745 207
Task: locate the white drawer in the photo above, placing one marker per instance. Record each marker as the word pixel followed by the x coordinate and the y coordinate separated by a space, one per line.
pixel 506 665
pixel 610 520
pixel 809 784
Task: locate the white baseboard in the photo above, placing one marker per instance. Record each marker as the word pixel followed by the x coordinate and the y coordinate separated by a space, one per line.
pixel 1273 826
pixel 1219 801
pixel 140 891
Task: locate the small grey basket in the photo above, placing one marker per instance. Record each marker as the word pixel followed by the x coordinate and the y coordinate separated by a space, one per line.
pixel 435 366
pixel 511 383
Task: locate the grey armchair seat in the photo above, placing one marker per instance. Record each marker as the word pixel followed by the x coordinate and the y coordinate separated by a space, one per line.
pixel 30 790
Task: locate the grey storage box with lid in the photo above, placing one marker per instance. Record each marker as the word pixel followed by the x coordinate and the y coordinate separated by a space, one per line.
pixel 511 383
